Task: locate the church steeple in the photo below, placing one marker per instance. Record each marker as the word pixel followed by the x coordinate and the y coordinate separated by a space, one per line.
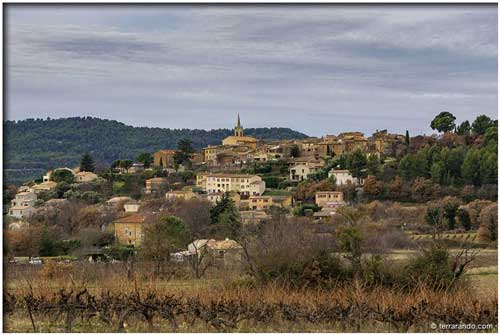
pixel 238 130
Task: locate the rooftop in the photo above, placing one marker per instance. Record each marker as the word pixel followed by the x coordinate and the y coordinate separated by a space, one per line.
pixel 167 151
pixel 134 218
pixel 339 171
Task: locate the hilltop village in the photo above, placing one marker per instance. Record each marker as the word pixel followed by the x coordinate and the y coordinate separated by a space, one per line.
pixel 221 189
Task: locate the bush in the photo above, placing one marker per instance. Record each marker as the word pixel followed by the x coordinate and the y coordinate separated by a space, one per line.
pixel 432 268
pixel 318 269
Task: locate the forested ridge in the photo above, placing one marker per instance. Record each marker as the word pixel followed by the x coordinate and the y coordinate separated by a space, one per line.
pixel 48 143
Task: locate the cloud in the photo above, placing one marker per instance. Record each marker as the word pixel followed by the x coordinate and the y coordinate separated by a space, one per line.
pixel 319 69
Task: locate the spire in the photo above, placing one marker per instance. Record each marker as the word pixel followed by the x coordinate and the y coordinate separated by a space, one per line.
pixel 238 130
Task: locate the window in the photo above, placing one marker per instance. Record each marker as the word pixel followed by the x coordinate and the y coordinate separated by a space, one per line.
pixel 221 253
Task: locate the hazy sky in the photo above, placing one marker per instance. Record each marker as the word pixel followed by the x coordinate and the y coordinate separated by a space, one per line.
pixel 317 69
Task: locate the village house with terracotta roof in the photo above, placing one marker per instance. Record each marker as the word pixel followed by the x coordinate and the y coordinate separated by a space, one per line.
pixel 129 229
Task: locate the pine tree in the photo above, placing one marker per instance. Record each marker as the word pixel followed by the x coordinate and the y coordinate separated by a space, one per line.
pixel 87 163
pixel 407 138
pixel 225 219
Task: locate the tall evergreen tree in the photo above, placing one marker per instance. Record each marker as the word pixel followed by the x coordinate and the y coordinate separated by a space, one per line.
pixel 407 138
pixel 87 163
pixel 184 151
pixel 225 219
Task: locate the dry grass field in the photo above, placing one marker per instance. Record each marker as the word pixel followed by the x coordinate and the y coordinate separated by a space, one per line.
pixel 47 301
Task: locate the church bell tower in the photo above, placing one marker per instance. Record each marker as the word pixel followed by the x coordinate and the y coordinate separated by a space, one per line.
pixel 238 130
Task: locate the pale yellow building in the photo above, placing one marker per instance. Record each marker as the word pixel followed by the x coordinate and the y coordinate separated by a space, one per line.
pixel 244 184
pixel 239 139
pixel 329 199
pixel 164 158
pixel 263 202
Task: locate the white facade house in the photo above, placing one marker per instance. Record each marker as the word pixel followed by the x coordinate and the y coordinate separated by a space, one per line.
pixel 342 177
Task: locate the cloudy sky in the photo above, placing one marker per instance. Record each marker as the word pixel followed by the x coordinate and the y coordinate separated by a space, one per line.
pixel 317 69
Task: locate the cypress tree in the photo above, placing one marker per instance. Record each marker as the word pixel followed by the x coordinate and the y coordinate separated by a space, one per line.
pixel 87 163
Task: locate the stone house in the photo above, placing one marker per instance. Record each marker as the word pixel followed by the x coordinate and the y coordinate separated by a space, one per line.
pixel 227 253
pixel 164 158
pixel 129 229
pixel 22 206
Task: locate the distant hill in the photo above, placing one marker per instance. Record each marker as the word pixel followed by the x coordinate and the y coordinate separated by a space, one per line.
pixel 32 146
